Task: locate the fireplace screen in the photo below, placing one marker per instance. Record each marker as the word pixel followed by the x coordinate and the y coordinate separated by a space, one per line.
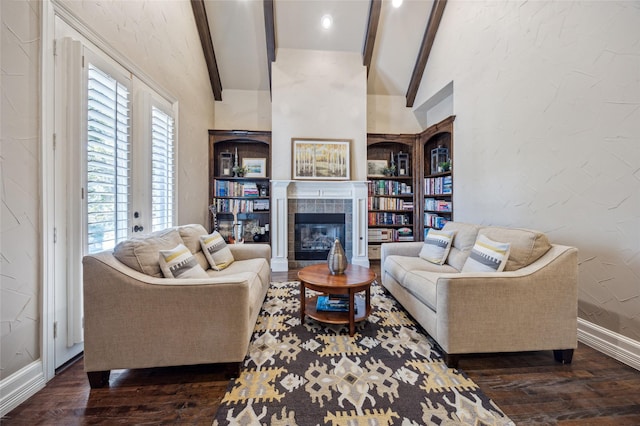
pixel 315 234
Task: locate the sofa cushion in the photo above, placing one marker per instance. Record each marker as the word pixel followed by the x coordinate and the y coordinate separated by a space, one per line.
pixel 256 265
pixel 399 266
pixel 437 244
pixel 179 262
pixel 423 285
pixel 141 253
pixel 527 246
pixel 463 241
pixel 487 256
pixel 216 251
pixel 190 234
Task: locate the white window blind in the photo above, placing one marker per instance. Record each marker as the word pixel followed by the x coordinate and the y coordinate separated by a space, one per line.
pixel 162 170
pixel 108 160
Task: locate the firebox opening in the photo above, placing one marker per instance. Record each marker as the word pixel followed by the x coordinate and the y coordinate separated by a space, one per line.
pixel 315 234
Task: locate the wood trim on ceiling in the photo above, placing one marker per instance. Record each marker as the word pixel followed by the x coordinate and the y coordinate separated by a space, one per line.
pixel 270 34
pixel 372 30
pixel 427 42
pixel 200 15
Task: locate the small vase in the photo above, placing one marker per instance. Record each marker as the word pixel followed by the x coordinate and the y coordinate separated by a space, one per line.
pixel 337 259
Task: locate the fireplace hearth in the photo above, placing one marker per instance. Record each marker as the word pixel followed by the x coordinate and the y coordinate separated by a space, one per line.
pixel 315 234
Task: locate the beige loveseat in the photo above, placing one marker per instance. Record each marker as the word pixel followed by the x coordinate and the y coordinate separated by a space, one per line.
pixel 135 318
pixel 531 305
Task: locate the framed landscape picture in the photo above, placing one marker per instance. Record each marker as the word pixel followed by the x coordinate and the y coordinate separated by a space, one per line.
pixel 321 159
pixel 256 167
pixel 376 167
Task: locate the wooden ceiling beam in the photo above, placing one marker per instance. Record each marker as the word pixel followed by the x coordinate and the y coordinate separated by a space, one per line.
pixel 202 24
pixel 427 42
pixel 270 34
pixel 372 31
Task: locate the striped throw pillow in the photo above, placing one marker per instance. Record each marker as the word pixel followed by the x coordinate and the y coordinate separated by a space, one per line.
pixel 437 244
pixel 180 263
pixel 216 251
pixel 487 256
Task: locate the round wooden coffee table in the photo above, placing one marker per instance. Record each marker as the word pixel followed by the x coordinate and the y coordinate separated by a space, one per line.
pixel 354 280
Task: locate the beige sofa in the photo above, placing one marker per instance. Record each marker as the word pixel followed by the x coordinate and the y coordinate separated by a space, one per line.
pixel 135 318
pixel 531 305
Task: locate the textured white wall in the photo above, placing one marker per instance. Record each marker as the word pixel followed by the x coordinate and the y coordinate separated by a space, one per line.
pixel 547 134
pixel 161 39
pixel 389 114
pixel 19 184
pixel 318 94
pixel 243 110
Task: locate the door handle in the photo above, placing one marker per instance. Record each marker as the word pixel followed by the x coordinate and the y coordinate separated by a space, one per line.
pixel 138 228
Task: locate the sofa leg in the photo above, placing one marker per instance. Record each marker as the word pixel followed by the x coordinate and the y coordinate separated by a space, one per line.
pixel 234 370
pixel 563 356
pixel 451 360
pixel 98 379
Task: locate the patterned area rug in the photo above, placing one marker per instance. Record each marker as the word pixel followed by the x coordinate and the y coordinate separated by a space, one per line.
pixel 388 373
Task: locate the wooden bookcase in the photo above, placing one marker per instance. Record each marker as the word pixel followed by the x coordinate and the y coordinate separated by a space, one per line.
pixel 404 205
pixel 248 194
pixel 392 197
pixel 436 202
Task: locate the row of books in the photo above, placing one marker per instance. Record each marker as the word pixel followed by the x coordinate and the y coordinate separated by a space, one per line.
pixel 434 221
pixel 383 235
pixel 389 187
pixel 242 206
pixel 438 185
pixel 389 219
pixel 226 188
pixel 384 203
pixel 433 204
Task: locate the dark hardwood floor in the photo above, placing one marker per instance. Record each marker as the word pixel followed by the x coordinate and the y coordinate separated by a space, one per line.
pixel 531 388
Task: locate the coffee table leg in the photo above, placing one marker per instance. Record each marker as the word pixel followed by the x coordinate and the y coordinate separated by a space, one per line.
pixel 303 298
pixel 352 314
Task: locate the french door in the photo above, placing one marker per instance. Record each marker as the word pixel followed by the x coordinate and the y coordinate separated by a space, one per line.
pixel 114 172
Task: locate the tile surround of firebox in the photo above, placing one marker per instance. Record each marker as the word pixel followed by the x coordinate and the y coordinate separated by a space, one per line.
pixel 290 197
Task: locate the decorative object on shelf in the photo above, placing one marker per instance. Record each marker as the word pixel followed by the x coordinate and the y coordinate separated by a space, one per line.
pixel 402 159
pixel 226 164
pixel 389 171
pixel 444 166
pixel 438 155
pixel 337 259
pixel 376 167
pixel 237 230
pixel 239 171
pixel 321 159
pixel 255 167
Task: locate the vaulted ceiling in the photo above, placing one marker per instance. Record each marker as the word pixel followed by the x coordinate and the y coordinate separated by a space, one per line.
pixel 240 38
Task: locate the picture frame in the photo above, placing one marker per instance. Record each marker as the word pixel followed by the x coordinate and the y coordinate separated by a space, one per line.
pixel 375 168
pixel 321 159
pixel 255 167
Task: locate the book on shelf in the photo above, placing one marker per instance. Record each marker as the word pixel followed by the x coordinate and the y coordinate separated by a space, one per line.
pixel 330 303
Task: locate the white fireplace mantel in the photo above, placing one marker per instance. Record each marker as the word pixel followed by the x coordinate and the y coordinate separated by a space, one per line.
pixel 284 190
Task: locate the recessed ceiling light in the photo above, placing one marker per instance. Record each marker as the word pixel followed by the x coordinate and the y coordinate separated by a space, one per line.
pixel 326 21
pixel 396 3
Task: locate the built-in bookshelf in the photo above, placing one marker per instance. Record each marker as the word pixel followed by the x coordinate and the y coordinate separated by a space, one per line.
pixel 239 180
pixel 391 197
pixel 436 146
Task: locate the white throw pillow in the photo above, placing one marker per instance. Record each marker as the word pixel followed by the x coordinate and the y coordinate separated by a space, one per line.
pixel 487 256
pixel 437 244
pixel 180 263
pixel 216 251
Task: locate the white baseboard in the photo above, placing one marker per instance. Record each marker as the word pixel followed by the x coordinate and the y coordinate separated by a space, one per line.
pixel 20 386
pixel 610 343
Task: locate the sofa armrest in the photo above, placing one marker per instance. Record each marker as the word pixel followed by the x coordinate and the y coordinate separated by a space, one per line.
pixel 533 308
pixel 250 251
pixel 133 320
pixel 409 248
